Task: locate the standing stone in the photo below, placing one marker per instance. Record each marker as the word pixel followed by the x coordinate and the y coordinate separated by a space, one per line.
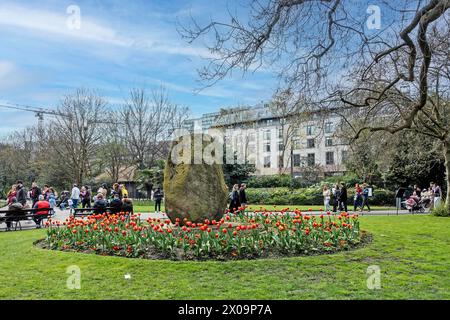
pixel 194 190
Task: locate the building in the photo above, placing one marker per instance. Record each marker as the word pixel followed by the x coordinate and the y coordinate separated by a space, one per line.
pixel 275 144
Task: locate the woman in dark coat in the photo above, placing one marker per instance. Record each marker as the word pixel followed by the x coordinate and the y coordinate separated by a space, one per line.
pixel 235 203
pixel 343 198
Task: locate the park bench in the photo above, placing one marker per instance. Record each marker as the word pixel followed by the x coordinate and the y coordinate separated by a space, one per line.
pixel 86 212
pixel 16 216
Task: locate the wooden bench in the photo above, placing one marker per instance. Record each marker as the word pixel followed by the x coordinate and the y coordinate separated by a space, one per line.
pixel 86 212
pixel 18 215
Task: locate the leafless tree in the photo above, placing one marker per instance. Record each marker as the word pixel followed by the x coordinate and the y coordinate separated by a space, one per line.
pixel 79 130
pixel 322 49
pixel 148 122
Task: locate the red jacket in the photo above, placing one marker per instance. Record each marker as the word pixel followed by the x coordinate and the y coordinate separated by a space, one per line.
pixel 42 205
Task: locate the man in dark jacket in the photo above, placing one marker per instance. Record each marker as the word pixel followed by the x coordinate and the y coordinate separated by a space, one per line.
pixel 21 193
pixel 100 204
pixel 343 197
pixel 243 195
pixel 35 193
pixel 158 196
pixel 116 204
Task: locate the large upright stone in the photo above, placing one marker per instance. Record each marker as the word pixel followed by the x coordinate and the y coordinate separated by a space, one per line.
pixel 195 191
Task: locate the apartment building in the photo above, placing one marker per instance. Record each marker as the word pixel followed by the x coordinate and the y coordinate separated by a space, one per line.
pixel 274 144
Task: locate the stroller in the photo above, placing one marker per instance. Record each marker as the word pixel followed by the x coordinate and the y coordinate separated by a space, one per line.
pixel 416 204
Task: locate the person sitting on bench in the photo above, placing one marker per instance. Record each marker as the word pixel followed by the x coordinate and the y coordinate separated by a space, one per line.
pixel 100 204
pixel 15 207
pixel 127 205
pixel 116 204
pixel 40 215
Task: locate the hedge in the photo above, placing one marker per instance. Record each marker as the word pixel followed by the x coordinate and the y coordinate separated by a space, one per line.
pixel 286 181
pixel 309 196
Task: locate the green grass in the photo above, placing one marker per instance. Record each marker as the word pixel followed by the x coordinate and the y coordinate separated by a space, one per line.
pixel 412 252
pixel 151 207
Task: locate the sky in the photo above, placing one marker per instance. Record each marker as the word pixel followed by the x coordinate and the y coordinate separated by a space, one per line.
pixel 119 45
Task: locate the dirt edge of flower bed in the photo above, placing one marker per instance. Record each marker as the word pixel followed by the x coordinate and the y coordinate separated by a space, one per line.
pixel 366 239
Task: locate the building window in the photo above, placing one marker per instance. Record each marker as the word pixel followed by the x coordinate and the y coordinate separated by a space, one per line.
pixel 296 160
pixel 280 133
pixel 267 162
pixel 329 158
pixel 311 159
pixel 310 130
pixel 267 135
pixel 267 147
pixel 328 142
pixel 328 127
pixel 297 144
pixel 280 146
pixel 310 143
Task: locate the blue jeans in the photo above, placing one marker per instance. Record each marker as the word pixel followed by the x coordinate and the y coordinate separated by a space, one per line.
pixel 74 203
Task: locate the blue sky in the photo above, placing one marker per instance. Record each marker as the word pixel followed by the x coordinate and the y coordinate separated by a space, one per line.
pixel 121 44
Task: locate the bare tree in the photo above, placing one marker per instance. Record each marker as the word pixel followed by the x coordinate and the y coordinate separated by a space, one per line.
pixel 321 48
pixel 148 123
pixel 113 156
pixel 79 130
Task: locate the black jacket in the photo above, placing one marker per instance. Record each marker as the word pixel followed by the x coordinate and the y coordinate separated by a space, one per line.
pixel 343 196
pixel 21 196
pixel 115 205
pixel 242 196
pixel 100 206
pixel 158 196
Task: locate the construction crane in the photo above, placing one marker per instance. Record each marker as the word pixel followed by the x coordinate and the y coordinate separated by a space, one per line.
pixel 38 112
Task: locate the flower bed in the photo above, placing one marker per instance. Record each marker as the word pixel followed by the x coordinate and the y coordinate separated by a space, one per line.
pixel 235 236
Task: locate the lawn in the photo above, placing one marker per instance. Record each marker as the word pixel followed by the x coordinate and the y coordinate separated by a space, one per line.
pixel 412 252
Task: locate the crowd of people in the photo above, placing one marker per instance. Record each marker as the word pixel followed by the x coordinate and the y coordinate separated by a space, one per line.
pixel 337 196
pixel 424 198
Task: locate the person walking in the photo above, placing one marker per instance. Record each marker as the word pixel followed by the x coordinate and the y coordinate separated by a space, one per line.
pixel 343 198
pixel 326 197
pixel 21 194
pixel 85 197
pixel 75 196
pixel 235 203
pixel 35 192
pixel 365 197
pixel 336 197
pixel 158 197
pixel 243 195
pixel 52 198
pixel 357 200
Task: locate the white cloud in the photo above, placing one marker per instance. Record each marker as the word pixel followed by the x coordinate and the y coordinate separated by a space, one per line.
pixel 48 23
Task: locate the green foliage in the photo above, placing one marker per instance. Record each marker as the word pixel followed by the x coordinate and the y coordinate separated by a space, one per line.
pixel 308 196
pixel 237 173
pixel 275 181
pixel 150 178
pixel 441 211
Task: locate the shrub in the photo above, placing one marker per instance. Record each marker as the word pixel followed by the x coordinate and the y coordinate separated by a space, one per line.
pixel 441 211
pixel 309 196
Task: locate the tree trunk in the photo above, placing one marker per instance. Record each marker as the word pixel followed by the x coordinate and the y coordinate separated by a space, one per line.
pixel 447 172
